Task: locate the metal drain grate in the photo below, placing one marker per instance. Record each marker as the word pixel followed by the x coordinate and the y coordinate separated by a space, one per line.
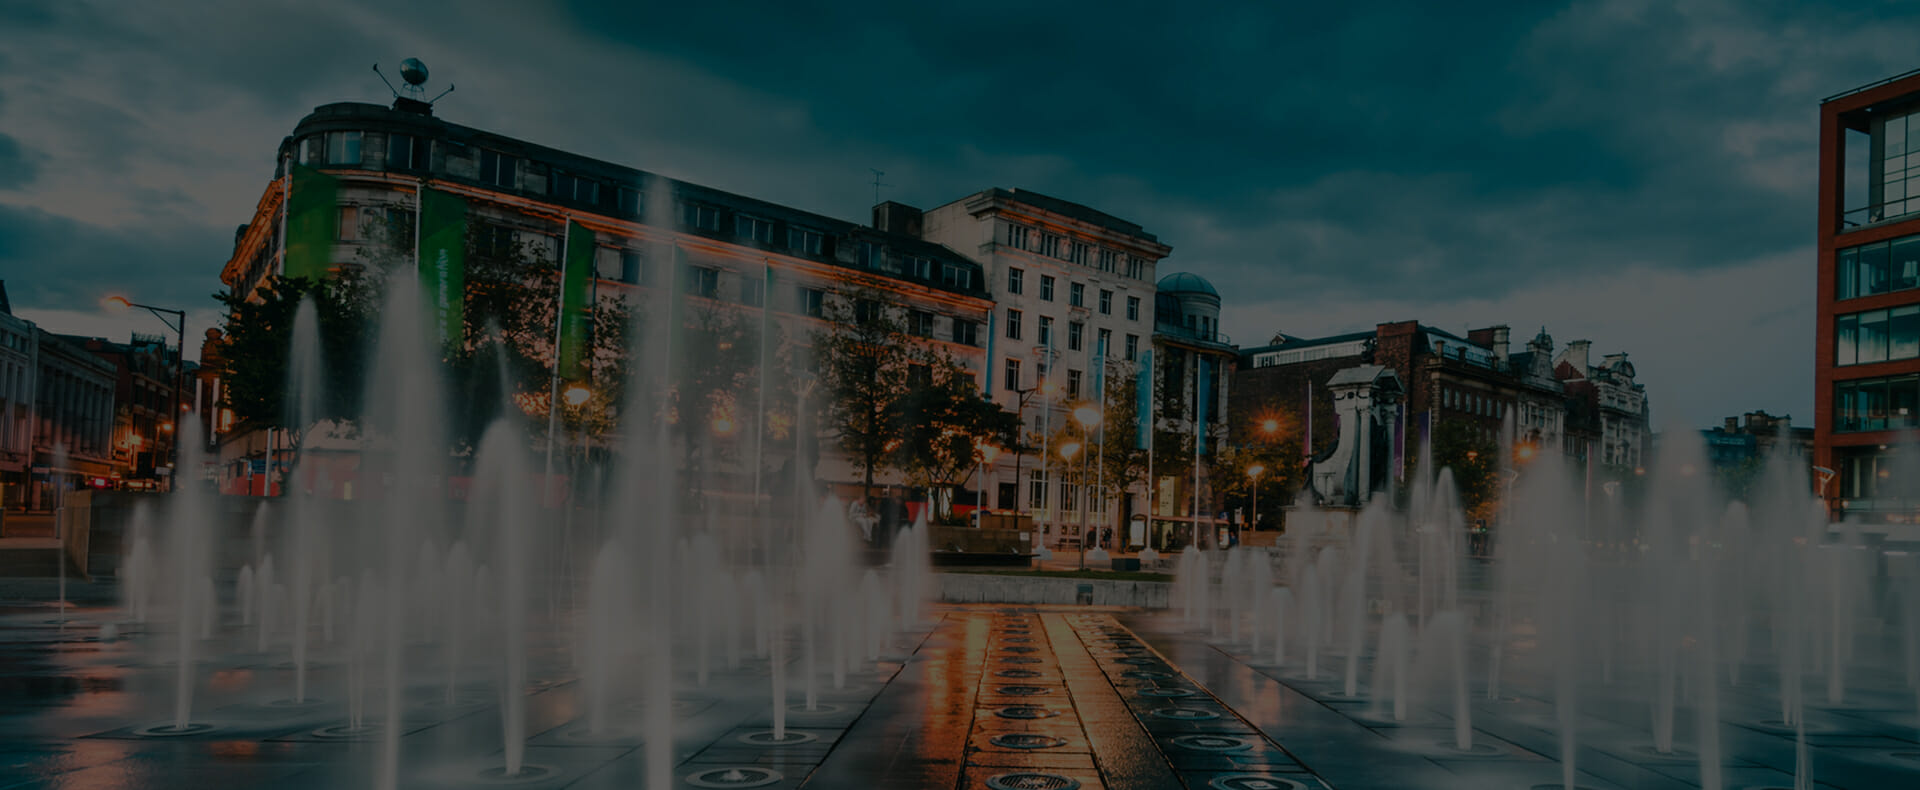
pixel 1026 740
pixel 1017 639
pixel 1032 780
pixel 1025 712
pixel 1145 674
pixel 1164 692
pixel 1185 714
pixel 1213 743
pixel 1138 661
pixel 1023 691
pixel 1019 660
pixel 1019 673
pixel 737 776
pixel 1255 782
pixel 1021 649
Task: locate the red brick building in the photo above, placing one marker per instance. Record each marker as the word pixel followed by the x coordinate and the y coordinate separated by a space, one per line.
pixel 1867 331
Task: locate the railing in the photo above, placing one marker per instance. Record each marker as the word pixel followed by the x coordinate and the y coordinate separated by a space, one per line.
pixel 1870 86
pixel 1876 213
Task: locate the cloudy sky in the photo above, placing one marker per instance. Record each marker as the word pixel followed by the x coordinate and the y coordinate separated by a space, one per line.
pixel 1625 172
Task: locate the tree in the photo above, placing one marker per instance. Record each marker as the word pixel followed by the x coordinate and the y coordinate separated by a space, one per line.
pixel 942 423
pixel 865 357
pixel 1473 458
pixel 257 343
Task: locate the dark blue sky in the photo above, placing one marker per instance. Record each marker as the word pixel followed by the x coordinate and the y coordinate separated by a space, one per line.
pixel 1626 172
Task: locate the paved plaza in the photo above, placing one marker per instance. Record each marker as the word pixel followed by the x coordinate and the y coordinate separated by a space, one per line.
pixel 979 697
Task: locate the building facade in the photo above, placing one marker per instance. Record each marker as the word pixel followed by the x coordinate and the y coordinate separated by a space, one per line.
pixel 1068 283
pixel 1550 402
pixel 144 400
pixel 1194 373
pixel 655 238
pixel 1867 330
pixel 19 362
pixel 73 419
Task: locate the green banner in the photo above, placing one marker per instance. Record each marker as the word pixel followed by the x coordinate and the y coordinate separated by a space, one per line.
pixel 576 316
pixel 443 261
pixel 313 218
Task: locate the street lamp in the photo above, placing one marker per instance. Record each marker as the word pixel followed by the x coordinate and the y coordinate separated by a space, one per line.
pixel 1254 472
pixel 577 394
pixel 1089 418
pixel 118 304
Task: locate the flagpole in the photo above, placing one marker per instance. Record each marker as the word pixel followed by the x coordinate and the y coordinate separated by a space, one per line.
pixel 1153 408
pixel 553 382
pixel 1199 365
pixel 760 409
pixel 1100 468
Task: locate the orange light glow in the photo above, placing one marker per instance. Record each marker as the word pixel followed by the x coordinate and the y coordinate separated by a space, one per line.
pixel 1270 425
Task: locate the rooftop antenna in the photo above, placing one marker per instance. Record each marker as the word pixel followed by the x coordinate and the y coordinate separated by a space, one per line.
pixel 877 185
pixel 414 74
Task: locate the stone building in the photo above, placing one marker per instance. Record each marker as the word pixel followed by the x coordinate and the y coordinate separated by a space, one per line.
pixel 1548 401
pixel 73 416
pixel 1068 282
pixel 1194 373
pixel 144 399
pixel 19 362
pixel 654 237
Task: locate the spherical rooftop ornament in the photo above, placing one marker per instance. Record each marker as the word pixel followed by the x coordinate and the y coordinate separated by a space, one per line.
pixel 1185 282
pixel 413 71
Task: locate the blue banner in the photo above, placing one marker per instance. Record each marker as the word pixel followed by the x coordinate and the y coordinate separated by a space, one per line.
pixel 1200 409
pixel 1143 402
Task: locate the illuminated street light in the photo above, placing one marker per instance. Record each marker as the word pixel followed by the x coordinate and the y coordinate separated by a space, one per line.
pixel 1087 416
pixel 988 452
pixel 1270 426
pixel 578 394
pixel 1068 450
pixel 723 425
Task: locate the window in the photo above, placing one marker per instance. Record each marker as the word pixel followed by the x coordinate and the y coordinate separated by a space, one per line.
pixel 1037 489
pixel 1878 268
pixel 753 291
pixel 868 311
pixel 1074 331
pixel 1133 348
pixel 753 228
pixel 399 227
pixel 867 255
pixel 343 148
pixel 630 267
pixel 1877 336
pixel 1013 375
pixel 1106 302
pixel 956 277
pixel 348 228
pixel 1133 308
pixel 1046 331
pixel 497 169
pixel 1105 346
pixel 1108 260
pixel 1136 267
pixel 919 267
pixel 1082 253
pixel 919 375
pixel 966 333
pixel 700 281
pixel 1017 236
pixel 493 241
pixel 806 241
pixel 920 323
pixel 1046 288
pixel 569 187
pixel 1013 324
pixel 1077 295
pixel 1073 383
pixel 1876 404
pixel 406 152
pixel 1050 245
pixel 699 216
pixel 1016 280
pixel 631 202
pixel 812 302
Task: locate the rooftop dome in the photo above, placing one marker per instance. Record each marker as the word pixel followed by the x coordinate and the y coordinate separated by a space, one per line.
pixel 1184 282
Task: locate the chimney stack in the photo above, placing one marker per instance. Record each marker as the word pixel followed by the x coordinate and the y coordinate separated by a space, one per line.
pixel 892 217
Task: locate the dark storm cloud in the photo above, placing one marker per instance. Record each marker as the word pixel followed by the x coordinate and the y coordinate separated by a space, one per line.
pixel 16 167
pixel 1442 149
pixel 58 263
